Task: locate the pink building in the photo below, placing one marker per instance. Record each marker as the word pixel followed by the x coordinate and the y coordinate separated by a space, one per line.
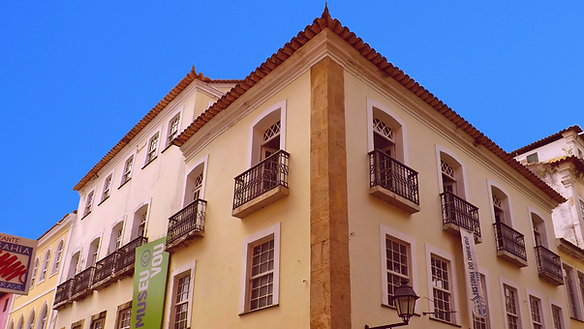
pixel 5 303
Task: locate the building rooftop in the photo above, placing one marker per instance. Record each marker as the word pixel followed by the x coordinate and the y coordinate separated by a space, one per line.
pixel 546 140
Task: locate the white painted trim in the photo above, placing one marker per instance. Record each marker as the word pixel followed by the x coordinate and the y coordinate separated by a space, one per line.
pixel 47 273
pixel 503 281
pixel 454 282
pixel 443 149
pixel 565 314
pixel 37 325
pixel 158 146
pixel 576 288
pixel 281 105
pixel 100 237
pixel 111 231
pixel 31 314
pixel 546 221
pixel 490 184
pixel 12 310
pixel 84 214
pixel 404 131
pixel 272 230
pixel 203 160
pixel 147 202
pixel 134 153
pixel 170 292
pixel 112 173
pixel 79 260
pixel 384 231
pixel 579 291
pixel 529 293
pixel 55 270
pixel 170 117
pixel 20 322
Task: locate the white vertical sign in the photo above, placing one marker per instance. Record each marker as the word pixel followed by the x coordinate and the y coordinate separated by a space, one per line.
pixel 474 291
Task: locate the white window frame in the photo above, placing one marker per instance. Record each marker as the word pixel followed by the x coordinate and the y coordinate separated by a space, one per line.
pixel 462 193
pixel 112 237
pixel 505 282
pixel 131 171
pixel 20 323
pixel 97 251
pixel 45 266
pixel 388 231
pixel 120 315
pixel 274 231
pixel 530 293
pixel 147 159
pixel 89 202
pixel 44 308
pixel 174 275
pixel 148 203
pixel 77 267
pixel 58 257
pixel 490 320
pixel 187 198
pixel 509 221
pixel 565 317
pixel 102 199
pixel 402 148
pixel 35 269
pixel 431 250
pixel 574 278
pixel 544 235
pixel 167 135
pixel 281 105
pixel 31 316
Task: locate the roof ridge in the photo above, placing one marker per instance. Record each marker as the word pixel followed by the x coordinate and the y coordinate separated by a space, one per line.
pixel 546 140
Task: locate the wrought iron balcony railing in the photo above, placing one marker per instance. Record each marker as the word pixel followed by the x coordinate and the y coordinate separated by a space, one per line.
pixel 261 178
pixel 63 293
pixel 83 282
pixel 510 241
pixel 394 176
pixel 460 213
pixel 125 261
pixel 104 269
pixel 189 221
pixel 549 265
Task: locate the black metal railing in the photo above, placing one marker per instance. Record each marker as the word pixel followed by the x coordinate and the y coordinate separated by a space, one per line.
pixel 105 267
pixel 63 292
pixel 128 254
pixel 83 281
pixel 394 176
pixel 459 212
pixel 509 240
pixel 261 178
pixel 190 219
pixel 549 263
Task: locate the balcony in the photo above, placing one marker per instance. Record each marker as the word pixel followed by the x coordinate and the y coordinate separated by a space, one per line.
pixel 104 271
pixel 186 225
pixel 82 284
pixel 549 265
pixel 457 213
pixel 393 182
pixel 125 262
pixel 63 294
pixel 510 244
pixel 261 185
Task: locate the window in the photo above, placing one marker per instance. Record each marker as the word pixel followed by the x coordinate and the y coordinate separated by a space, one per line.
pixel 74 265
pixel 42 322
pixel 511 307
pixel 107 184
pixel 536 315
pixel 152 148
pixel 557 317
pixel 125 318
pixel 127 174
pixel 88 203
pixel 383 137
pixel 181 301
pixel 581 208
pixel 78 324
pixel 34 272
pixel 482 323
pixel 500 206
pixel 441 289
pixel 386 132
pixel 173 127
pixel 20 322
pixel 398 265
pixel 45 266
pixel 93 253
pixel 139 225
pixel 98 323
pixel 58 256
pixel 538 230
pixel 30 321
pixel 261 265
pixel 452 177
pixel 581 283
pixel 116 237
pixel 5 307
pixel 268 133
pixel 573 302
pixel 532 158
pixel 195 183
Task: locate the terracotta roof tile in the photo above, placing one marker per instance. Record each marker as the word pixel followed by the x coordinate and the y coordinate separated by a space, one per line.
pixel 546 140
pixel 324 22
pixel 576 161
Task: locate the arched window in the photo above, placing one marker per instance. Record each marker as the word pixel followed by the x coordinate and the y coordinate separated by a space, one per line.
pixel 116 237
pixel 11 325
pixel 42 322
pixel 194 184
pixel 386 132
pixel 58 256
pixel 139 223
pixel 451 175
pixel 501 206
pixel 45 266
pixel 20 322
pixel 93 253
pixel 539 232
pixel 30 321
pixel 74 265
pixel 34 272
pixel 268 133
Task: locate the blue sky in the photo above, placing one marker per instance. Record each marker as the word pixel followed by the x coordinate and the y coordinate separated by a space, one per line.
pixel 75 76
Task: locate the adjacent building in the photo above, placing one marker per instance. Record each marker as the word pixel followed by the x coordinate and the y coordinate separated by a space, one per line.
pixel 35 310
pixel 303 195
pixel 5 304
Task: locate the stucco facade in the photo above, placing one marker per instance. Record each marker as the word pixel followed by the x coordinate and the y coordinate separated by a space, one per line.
pixel 5 305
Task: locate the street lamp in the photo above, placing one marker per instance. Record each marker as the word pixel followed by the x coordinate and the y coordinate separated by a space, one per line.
pixel 405 298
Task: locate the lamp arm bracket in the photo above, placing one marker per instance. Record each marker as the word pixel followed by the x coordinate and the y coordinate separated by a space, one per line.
pixel 388 326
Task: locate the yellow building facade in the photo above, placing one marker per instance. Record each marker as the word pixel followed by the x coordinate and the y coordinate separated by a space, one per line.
pixel 304 195
pixel 35 311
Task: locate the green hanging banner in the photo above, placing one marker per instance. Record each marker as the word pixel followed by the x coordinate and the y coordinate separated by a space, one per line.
pixel 151 271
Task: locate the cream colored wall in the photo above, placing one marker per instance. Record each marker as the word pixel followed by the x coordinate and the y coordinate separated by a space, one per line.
pixel 578 265
pixel 366 213
pixel 159 185
pixel 219 254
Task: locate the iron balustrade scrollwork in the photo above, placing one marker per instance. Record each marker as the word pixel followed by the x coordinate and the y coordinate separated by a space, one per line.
pixel 261 178
pixel 105 267
pixel 83 280
pixel 458 211
pixel 549 263
pixel 190 219
pixel 394 176
pixel 509 240
pixel 64 291
pixel 128 253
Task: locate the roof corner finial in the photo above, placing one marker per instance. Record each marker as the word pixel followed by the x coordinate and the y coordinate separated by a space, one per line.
pixel 325 13
pixel 193 70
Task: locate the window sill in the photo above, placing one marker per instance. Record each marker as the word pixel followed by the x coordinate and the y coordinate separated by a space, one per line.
pixel 444 321
pixel 579 320
pixel 166 148
pixel 124 183
pixel 102 201
pixel 85 215
pixel 149 162
pixel 259 309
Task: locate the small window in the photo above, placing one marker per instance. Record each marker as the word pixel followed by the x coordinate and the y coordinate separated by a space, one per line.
pixel 536 315
pixel 573 301
pixel 45 266
pixel 181 301
pixel 511 307
pixel 58 256
pixel 442 289
pixel 152 148
pixel 125 318
pixel 139 224
pixel 74 265
pixel 398 265
pixel 34 272
pixel 532 158
pixel 93 253
pixel 88 203
pixel 127 174
pixel 116 237
pixel 42 322
pixel 539 232
pixel 557 317
pixel 500 206
pixel 451 175
pixel 194 184
pixel 30 322
pixel 173 127
pixel 98 323
pixel 268 133
pixel 107 184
